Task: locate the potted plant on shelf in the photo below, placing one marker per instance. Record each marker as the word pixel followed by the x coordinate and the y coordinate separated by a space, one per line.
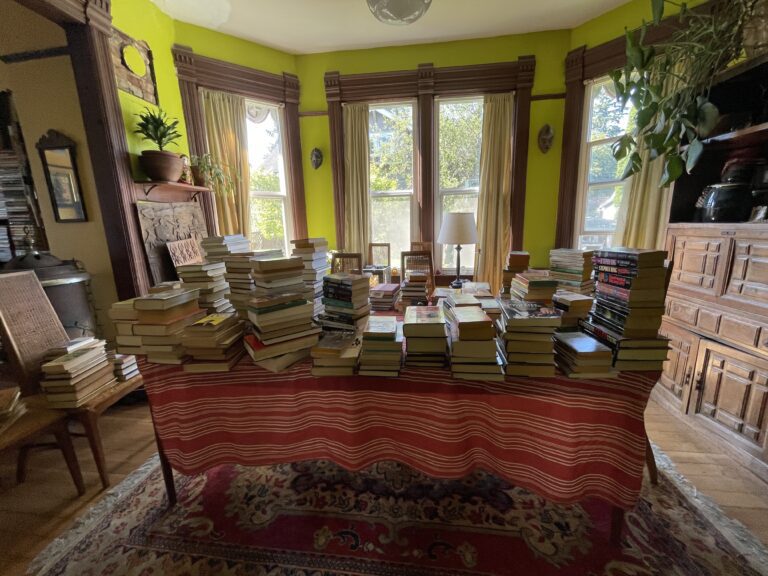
pixel 159 165
pixel 209 173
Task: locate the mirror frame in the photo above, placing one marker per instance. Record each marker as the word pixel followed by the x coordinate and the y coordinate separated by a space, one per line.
pixel 53 140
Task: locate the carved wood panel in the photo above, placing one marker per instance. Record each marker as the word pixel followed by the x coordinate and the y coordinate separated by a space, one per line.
pixel 678 369
pixel 748 276
pixel 697 262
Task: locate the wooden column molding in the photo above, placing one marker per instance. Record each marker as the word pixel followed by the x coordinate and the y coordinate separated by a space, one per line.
pixel 336 125
pixel 525 74
pixel 295 169
pixel 425 163
pixel 184 59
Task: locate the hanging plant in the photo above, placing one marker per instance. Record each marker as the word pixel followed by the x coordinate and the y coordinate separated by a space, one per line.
pixel 669 83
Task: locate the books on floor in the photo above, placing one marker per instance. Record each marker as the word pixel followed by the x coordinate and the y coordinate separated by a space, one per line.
pixel 314 255
pixel 215 343
pixel 426 336
pixel 572 269
pixel 71 380
pixel 336 354
pixel 534 286
pixel 124 366
pixel 384 296
pixel 345 297
pixel 517 261
pixel 381 352
pixel 475 354
pixel 526 330
pixel 579 355
pixel 574 307
pixel 209 279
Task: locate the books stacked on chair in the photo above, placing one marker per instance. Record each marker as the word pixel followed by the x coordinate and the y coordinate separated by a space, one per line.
pixel 209 278
pixel 579 355
pixel 414 290
pixel 426 336
pixel 11 407
pixel 336 354
pixel 125 365
pixel 574 307
pixel 382 347
pixel 534 286
pixel 124 317
pixel 384 296
pixel 314 254
pixel 73 379
pixel 526 330
pixel 217 247
pixel 160 322
pixel 474 351
pixel 215 343
pixel 345 297
pixel 517 261
pixel 629 303
pixel 572 269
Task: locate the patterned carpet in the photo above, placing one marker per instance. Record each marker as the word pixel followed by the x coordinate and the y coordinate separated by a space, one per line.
pixel 314 518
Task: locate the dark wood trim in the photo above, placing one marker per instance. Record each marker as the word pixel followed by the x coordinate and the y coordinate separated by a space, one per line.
pixel 60 11
pixel 184 59
pixel 553 96
pixel 425 163
pixel 313 113
pixel 522 128
pixel 336 125
pixel 295 169
pixel 18 57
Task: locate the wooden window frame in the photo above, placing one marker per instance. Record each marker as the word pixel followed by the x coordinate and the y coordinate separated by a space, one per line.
pixel 424 84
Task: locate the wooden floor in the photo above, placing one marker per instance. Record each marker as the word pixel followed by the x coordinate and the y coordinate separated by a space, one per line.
pixel 34 513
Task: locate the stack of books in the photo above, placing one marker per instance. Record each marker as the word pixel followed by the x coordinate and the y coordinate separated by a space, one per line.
pixel 426 336
pixel 124 366
pixel 241 286
pixel 160 322
pixel 384 296
pixel 517 262
pixel 579 355
pixel 526 330
pixel 534 286
pixel 215 343
pixel 629 303
pixel 282 328
pixel 480 290
pixel 314 254
pixel 124 317
pixel 277 276
pixel 336 354
pixel 414 290
pixel 382 347
pixel 474 351
pixel 572 269
pixel 11 407
pixel 460 300
pixel 209 279
pixel 574 307
pixel 345 297
pixel 217 247
pixel 73 379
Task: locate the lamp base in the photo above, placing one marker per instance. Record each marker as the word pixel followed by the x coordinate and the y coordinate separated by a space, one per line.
pixel 457 284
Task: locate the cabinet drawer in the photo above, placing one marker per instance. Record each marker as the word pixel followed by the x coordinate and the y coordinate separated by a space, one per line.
pixel 739 331
pixel 682 311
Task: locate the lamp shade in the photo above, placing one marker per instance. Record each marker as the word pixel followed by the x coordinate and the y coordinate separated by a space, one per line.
pixel 458 228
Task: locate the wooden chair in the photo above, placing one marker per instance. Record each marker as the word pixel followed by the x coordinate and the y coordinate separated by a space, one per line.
pixel 421 247
pixel 418 261
pixel 351 262
pixel 379 254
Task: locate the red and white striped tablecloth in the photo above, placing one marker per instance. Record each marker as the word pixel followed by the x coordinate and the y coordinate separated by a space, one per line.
pixel 564 439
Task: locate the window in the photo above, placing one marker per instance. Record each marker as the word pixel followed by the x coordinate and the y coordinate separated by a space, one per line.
pixel 270 229
pixel 391 152
pixel 601 190
pixel 459 123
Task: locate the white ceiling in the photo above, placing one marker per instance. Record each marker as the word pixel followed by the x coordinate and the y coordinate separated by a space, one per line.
pixel 310 26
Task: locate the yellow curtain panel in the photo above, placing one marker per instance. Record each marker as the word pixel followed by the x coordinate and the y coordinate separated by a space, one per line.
pixel 357 208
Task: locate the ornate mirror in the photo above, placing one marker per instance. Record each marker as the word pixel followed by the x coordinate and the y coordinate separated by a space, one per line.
pixel 57 153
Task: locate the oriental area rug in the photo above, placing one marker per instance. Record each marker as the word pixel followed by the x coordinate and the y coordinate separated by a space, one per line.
pixel 317 519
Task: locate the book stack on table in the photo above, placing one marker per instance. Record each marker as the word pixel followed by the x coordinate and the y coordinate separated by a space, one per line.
pixel 629 303
pixel 426 336
pixel 314 254
pixel 160 321
pixel 345 297
pixel 475 354
pixel 517 261
pixel 574 307
pixel 579 355
pixel 71 380
pixel 215 343
pixel 12 407
pixel 241 286
pixel 124 316
pixel 336 354
pixel 124 365
pixel 526 330
pixel 572 269
pixel 414 290
pixel 382 347
pixel 384 296
pixel 209 278
pixel 534 286
pixel 217 247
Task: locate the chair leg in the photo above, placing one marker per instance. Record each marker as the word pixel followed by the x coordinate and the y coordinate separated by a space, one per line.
pixel 90 421
pixel 65 443
pixel 21 463
pixel 650 462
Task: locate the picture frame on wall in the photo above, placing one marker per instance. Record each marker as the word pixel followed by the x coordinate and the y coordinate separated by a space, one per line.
pixel 58 155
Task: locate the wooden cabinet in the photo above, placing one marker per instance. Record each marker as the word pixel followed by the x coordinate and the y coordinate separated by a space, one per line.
pixel 681 362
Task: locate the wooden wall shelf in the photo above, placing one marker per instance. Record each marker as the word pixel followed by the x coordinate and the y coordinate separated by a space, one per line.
pixel 149 185
pixel 743 138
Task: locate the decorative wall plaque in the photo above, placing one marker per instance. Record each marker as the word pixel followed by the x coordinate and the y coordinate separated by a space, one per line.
pixel 134 66
pixel 163 222
pixel 183 252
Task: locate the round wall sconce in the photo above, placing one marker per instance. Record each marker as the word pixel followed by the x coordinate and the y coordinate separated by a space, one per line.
pixel 316 158
pixel 546 138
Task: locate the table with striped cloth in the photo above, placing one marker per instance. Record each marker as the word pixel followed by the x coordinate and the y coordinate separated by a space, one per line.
pixel 564 439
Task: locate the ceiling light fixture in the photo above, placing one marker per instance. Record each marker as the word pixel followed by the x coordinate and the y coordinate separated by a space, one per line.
pixel 398 12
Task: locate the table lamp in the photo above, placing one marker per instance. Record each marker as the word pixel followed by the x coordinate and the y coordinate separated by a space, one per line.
pixel 458 228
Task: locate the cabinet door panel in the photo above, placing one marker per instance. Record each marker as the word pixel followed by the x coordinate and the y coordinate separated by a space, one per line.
pixel 677 371
pixel 747 281
pixel 698 263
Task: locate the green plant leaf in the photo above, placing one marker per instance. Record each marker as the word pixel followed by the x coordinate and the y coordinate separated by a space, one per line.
pixel 634 52
pixel 673 169
pixel 695 148
pixel 645 115
pixel 657 7
pixel 633 165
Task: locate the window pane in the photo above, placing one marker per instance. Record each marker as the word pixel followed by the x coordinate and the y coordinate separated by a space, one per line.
pixel 602 207
pixel 460 126
pixel 595 241
pixel 267 223
pixel 390 133
pixel 459 203
pixel 603 166
pixel 391 223
pixel 608 119
pixel 265 149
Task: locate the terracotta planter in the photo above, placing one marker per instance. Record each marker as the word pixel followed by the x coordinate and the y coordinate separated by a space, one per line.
pixel 197 176
pixel 162 166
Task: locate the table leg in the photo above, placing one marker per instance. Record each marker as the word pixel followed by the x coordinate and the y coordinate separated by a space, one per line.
pixel 65 442
pixel 617 524
pixel 21 463
pixel 650 462
pixel 165 467
pixel 90 421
